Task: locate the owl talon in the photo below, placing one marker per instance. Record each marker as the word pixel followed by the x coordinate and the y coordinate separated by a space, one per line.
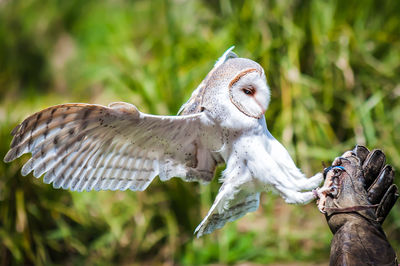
pixel 331 185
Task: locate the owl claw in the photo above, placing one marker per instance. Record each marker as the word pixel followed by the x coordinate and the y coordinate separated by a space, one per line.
pixel 330 186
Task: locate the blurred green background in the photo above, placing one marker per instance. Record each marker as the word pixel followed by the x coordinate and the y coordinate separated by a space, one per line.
pixel 334 72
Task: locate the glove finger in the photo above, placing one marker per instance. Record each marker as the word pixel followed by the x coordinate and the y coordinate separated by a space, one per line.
pixel 361 152
pixel 381 184
pixel 372 166
pixel 387 202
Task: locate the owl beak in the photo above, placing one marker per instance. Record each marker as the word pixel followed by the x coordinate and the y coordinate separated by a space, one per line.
pixel 264 110
pixel 263 102
pixel 262 107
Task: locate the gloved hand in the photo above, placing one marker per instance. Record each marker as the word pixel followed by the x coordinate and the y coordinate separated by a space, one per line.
pixel 357 195
pixel 378 180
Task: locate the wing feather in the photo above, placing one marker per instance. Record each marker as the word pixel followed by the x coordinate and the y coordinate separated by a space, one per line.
pixel 227 208
pixel 85 147
pixel 237 196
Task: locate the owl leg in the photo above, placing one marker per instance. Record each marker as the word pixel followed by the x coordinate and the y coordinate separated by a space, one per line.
pixel 287 168
pixel 299 182
pixel 291 191
pixel 312 182
pixel 295 197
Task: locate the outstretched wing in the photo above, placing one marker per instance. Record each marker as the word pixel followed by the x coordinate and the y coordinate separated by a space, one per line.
pixel 228 206
pixel 83 146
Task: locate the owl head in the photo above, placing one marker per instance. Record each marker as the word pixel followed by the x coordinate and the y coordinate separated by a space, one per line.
pixel 234 84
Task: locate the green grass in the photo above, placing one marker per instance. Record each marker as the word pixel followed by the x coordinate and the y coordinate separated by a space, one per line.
pixel 334 72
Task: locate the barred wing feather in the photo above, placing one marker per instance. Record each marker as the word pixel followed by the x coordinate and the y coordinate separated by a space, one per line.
pixel 84 147
pixel 230 204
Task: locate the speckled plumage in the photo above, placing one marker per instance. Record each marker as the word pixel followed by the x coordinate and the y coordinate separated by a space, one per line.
pixel 85 147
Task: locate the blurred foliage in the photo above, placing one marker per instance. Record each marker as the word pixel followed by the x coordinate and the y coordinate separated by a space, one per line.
pixel 334 72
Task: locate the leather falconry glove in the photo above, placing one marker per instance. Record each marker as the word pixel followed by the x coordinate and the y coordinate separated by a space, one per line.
pixel 357 195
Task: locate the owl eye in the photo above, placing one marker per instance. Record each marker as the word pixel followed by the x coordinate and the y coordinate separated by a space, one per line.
pixel 248 91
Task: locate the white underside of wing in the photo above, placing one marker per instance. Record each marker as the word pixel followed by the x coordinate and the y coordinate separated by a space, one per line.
pixel 85 147
pixel 237 196
pixel 229 206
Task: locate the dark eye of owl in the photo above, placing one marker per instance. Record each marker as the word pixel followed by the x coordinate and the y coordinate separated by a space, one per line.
pixel 248 91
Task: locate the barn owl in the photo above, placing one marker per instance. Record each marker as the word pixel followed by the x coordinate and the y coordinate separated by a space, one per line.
pixel 116 147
